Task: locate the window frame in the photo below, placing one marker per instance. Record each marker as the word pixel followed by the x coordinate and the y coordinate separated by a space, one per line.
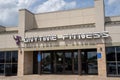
pixel 115 61
pixel 9 62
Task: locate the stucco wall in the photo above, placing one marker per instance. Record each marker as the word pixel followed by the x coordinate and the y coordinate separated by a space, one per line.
pixel 63 18
pixel 114 31
pixel 7 41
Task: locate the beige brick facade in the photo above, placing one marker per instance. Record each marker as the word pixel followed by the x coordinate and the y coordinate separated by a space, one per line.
pixel 86 20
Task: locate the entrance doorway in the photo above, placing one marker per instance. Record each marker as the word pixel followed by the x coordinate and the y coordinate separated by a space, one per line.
pixel 66 62
pixel 59 62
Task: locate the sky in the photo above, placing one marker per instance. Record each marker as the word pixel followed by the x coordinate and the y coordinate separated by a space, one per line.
pixel 9 8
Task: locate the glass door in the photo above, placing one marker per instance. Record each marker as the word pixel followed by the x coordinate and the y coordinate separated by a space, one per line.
pixel 89 62
pixel 46 62
pixel 68 63
pixel 59 62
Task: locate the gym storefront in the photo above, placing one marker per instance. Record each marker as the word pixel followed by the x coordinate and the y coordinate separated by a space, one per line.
pixel 68 45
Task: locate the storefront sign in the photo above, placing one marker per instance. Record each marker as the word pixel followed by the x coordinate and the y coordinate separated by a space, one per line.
pixel 95 35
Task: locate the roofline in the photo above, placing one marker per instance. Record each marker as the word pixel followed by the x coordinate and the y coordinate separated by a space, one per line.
pixel 113 16
pixel 2 26
pixel 65 10
pixel 26 10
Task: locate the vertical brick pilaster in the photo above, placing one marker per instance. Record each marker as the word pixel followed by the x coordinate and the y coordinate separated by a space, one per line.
pixel 102 61
pixel 28 62
pixel 20 63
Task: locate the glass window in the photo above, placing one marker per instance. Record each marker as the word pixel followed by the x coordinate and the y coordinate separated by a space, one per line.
pixel 1 69
pixel 118 53
pixel 110 54
pixel 68 62
pixel 75 62
pixel 8 57
pixel 113 64
pixel 59 62
pixel 14 57
pixel 92 56
pixel 111 67
pixel 89 62
pixel 84 62
pixel 92 68
pixel 14 69
pixel 8 69
pixel 8 62
pixel 46 63
pixel 2 57
pixel 92 62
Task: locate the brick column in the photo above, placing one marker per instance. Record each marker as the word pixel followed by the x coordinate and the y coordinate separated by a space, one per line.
pixel 26 21
pixel 20 63
pixel 28 62
pixel 102 61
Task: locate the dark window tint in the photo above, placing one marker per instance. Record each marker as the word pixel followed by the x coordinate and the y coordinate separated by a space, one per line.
pixel 113 61
pixel 8 57
pixel 68 62
pixel 110 54
pixel 8 63
pixel 118 65
pixel 118 53
pixel 14 69
pixel 46 63
pixel 14 57
pixel 1 69
pixel 8 69
pixel 89 62
pixel 111 67
pixel 92 62
pixel 75 62
pixel 2 57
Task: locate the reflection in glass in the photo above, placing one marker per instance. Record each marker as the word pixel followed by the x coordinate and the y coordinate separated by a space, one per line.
pixel 8 69
pixel 75 62
pixel 14 69
pixel 118 68
pixel 2 58
pixel 14 57
pixel 92 68
pixel 118 53
pixel 8 57
pixel 92 56
pixel 68 62
pixel 111 68
pixel 46 63
pixel 89 62
pixel 110 54
pixel 59 62
pixel 84 63
pixel 1 69
pixel 113 56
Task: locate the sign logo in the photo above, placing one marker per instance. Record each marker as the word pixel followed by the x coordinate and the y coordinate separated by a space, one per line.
pixel 17 39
